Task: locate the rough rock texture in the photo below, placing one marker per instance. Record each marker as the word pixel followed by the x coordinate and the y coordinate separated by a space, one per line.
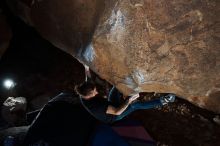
pixel 162 46
pixel 68 24
pixel 17 132
pixel 39 75
pixel 5 34
pixel 13 110
pixel 139 45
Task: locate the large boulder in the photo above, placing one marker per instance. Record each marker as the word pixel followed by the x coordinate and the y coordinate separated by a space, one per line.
pixel 13 110
pixel 5 34
pixel 138 45
pixel 162 46
pixel 18 133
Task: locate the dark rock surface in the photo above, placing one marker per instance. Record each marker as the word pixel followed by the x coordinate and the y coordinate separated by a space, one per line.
pixel 5 34
pixel 180 124
pixel 13 110
pixel 16 132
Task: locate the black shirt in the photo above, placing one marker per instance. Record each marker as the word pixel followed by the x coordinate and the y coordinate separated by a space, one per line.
pixel 97 107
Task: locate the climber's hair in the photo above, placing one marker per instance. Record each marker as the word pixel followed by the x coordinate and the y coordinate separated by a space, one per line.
pixel 85 88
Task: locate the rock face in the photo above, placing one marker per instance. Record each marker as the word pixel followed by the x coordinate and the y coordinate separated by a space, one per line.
pixel 13 110
pixel 17 132
pixel 138 45
pixel 5 34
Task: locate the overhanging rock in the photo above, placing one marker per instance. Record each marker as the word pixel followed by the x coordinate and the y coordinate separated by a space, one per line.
pixel 138 45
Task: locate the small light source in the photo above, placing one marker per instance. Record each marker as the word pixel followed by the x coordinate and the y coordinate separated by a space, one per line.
pixel 8 83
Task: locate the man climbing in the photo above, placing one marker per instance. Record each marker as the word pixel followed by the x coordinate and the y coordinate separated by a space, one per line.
pixel 115 107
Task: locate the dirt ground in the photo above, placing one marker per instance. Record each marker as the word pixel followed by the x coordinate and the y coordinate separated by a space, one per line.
pixel 39 69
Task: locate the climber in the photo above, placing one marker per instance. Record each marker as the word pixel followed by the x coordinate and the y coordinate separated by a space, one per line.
pixel 115 106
